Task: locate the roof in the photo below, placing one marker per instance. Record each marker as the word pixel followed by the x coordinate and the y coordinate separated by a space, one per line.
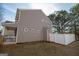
pixel 9 24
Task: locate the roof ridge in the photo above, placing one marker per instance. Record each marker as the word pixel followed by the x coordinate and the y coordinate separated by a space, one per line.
pixel 28 9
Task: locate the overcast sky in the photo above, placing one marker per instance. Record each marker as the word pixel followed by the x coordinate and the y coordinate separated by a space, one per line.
pixel 48 8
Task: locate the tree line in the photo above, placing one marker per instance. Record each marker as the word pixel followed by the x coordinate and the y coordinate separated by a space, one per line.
pixel 65 22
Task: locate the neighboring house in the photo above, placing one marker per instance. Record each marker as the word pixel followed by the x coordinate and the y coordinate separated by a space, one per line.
pixel 30 25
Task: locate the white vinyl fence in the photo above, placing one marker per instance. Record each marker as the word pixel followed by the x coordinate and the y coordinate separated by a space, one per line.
pixel 61 38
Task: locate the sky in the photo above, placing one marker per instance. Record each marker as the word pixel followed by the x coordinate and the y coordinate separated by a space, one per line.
pixel 8 10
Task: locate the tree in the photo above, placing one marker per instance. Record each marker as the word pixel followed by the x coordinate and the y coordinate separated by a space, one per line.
pixel 64 21
pixel 60 20
pixel 75 9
